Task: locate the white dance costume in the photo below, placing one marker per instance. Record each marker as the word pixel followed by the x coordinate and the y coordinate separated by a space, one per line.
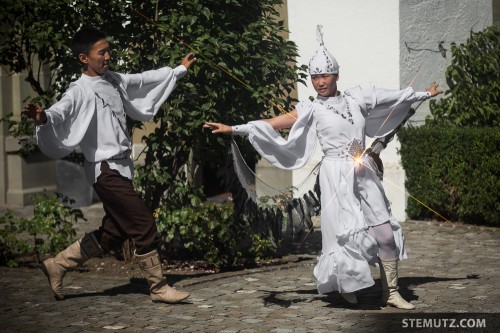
pixel 352 196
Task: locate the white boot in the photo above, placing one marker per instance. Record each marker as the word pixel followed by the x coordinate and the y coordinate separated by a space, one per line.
pixel 74 255
pixel 389 278
pixel 350 297
pixel 159 290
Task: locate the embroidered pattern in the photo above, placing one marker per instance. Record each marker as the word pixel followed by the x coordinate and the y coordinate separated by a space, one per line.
pixel 356 148
pixel 347 115
pixel 322 62
pixel 352 150
pixel 330 68
pixel 115 104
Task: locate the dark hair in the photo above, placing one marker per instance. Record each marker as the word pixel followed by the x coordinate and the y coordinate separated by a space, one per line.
pixel 84 39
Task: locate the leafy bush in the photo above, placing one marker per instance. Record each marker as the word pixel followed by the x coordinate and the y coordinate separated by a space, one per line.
pixel 11 243
pixel 50 230
pixel 241 36
pixel 210 232
pixel 261 247
pixel 22 130
pixel 201 231
pixel 454 171
pixel 473 78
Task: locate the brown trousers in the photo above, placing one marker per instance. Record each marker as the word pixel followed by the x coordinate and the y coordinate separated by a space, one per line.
pixel 126 214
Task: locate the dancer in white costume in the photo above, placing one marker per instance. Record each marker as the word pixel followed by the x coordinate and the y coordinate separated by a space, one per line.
pixel 357 227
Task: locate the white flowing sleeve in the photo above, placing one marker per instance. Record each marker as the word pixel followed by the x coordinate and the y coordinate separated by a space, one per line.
pixel 144 93
pixel 291 153
pixel 385 109
pixel 67 123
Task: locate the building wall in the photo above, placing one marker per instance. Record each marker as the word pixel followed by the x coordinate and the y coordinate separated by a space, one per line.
pixel 496 13
pixel 362 35
pixel 3 131
pixel 20 178
pixel 424 26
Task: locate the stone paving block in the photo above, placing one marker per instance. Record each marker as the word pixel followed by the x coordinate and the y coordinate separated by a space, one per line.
pixel 450 270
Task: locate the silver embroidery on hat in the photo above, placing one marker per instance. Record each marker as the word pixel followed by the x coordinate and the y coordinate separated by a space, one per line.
pixel 322 62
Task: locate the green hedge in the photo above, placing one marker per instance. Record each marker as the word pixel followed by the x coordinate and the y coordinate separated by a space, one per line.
pixel 453 171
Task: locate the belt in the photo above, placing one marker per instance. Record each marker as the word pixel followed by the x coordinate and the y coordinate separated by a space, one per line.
pixel 352 150
pixel 122 155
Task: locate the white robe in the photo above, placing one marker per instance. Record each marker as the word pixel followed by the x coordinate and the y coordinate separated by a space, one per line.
pixel 352 196
pixel 81 118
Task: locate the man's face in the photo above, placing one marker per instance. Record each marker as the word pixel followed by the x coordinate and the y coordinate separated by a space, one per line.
pixel 97 61
pixel 325 84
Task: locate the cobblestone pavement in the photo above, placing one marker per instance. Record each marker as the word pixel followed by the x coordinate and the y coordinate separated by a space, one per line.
pixel 452 276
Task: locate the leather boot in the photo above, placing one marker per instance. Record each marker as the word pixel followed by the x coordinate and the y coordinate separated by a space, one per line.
pixel 159 290
pixel 74 255
pixel 389 278
pixel 350 297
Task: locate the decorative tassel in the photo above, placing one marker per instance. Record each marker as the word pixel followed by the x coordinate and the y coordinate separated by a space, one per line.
pixel 319 34
pixel 268 221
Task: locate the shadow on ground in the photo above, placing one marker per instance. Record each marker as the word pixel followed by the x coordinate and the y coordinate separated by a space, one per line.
pixel 368 299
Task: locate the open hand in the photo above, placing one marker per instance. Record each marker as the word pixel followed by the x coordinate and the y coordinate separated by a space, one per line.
pixel 218 128
pixel 35 112
pixel 433 89
pixel 188 60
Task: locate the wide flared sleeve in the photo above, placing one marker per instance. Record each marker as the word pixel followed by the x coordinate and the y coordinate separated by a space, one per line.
pixel 291 153
pixel 144 93
pixel 67 122
pixel 385 109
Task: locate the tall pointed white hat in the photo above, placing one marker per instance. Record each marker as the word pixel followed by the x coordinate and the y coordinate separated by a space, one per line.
pixel 322 62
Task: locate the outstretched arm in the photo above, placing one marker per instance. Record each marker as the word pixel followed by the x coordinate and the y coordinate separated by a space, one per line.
pixel 379 99
pixel 283 121
pixel 218 128
pixel 278 122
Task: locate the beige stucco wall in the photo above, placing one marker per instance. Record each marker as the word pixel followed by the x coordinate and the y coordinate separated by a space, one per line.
pixel 278 178
pixel 19 178
pixel 496 13
pixel 3 129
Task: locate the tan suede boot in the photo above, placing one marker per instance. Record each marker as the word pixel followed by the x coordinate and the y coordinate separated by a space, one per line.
pixel 159 290
pixel 74 255
pixel 389 278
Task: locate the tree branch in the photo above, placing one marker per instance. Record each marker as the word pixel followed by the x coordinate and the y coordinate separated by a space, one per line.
pixel 34 83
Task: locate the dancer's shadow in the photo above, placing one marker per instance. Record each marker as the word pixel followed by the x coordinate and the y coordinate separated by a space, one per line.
pixel 308 243
pixel 371 298
pixel 368 299
pixel 286 299
pixel 135 286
